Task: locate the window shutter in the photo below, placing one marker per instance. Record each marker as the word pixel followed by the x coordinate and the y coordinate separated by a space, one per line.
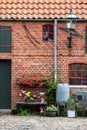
pixel 86 39
pixel 5 38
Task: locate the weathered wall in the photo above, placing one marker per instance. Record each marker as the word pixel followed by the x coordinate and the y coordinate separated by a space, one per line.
pixel 30 54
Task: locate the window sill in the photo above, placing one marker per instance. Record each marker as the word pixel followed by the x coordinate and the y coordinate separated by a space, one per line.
pixel 77 86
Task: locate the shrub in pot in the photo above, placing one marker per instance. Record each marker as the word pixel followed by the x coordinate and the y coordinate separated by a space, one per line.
pixel 52 110
pixel 71 107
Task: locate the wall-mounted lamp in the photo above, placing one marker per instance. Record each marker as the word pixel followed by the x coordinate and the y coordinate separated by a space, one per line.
pixel 71 21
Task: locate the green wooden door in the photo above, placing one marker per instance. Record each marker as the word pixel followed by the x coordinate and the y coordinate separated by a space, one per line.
pixel 5 84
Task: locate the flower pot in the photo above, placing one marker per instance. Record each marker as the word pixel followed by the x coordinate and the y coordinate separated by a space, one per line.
pixel 25 98
pixel 51 113
pixel 70 113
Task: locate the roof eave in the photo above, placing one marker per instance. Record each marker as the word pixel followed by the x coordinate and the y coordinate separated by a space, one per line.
pixel 39 19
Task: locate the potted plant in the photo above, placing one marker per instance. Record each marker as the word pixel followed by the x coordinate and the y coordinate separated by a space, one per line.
pixel 28 96
pixel 71 107
pixel 52 110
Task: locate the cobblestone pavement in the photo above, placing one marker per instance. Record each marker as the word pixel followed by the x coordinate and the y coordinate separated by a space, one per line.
pixel 14 122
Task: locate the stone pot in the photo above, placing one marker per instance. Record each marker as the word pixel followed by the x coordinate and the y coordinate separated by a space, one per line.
pixel 51 113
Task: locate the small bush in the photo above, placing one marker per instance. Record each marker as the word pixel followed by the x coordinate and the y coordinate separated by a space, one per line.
pixel 51 108
pixel 25 112
pixel 63 113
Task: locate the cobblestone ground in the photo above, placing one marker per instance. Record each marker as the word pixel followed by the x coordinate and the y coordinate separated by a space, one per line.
pixel 12 122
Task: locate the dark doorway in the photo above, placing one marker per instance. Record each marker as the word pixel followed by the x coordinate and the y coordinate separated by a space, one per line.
pixel 5 84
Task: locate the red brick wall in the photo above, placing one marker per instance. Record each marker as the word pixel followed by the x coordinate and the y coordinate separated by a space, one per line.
pixel 33 55
pixel 30 54
pixel 67 56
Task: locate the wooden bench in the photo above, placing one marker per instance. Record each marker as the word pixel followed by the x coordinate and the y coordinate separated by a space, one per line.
pixel 41 105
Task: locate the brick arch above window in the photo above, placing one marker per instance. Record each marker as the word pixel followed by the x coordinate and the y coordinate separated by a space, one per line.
pixel 48 32
pixel 78 74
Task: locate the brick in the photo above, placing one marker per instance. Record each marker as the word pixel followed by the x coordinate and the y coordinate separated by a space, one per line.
pixel 33 55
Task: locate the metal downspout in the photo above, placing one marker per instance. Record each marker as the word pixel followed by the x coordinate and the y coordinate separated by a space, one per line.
pixel 55 50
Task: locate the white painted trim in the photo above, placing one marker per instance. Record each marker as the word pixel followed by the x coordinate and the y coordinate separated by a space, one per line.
pixel 77 86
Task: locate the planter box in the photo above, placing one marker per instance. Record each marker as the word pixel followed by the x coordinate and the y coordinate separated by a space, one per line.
pixel 70 113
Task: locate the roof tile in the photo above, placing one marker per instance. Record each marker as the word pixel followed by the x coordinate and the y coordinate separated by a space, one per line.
pixel 42 8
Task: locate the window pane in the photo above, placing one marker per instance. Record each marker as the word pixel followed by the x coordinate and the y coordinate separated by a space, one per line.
pixel 50 28
pixel 72 67
pixel 72 81
pixel 78 74
pixel 45 28
pixel 50 36
pixel 78 67
pixel 84 67
pixel 84 74
pixel 72 74
pixel 45 36
pixel 84 82
pixel 78 81
pixel 48 32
